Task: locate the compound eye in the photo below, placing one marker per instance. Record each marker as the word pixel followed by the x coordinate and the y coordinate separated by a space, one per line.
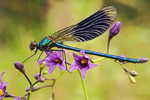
pixel 33 45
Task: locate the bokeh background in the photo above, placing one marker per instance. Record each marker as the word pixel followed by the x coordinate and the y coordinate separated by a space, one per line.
pixel 23 21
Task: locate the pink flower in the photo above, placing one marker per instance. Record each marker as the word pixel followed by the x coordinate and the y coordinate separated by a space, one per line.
pixel 54 59
pixel 82 63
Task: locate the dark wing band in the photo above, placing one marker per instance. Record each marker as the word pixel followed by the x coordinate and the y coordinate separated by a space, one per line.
pixel 88 29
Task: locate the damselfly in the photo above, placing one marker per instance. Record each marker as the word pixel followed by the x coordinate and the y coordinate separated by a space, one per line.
pixel 86 30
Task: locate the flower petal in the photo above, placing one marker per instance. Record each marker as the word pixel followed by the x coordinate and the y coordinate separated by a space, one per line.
pixel 51 55
pixel 39 62
pixel 1 76
pixel 83 72
pixel 5 83
pixel 1 97
pixel 51 69
pixel 76 57
pixel 59 54
pixel 82 52
pixel 47 60
pixel 55 55
pixel 73 66
pixel 48 52
pixel 91 65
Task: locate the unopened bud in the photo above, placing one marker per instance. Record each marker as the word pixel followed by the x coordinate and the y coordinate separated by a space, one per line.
pixel 123 62
pixel 132 79
pixel 143 59
pixel 33 89
pixel 41 79
pixel 37 75
pixel 19 66
pixel 42 65
pixel 133 73
pixel 114 30
pixel 45 72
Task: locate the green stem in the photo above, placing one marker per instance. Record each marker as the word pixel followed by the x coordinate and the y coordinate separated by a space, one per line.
pixel 28 97
pixel 56 78
pixel 84 87
pixel 102 58
pixel 62 72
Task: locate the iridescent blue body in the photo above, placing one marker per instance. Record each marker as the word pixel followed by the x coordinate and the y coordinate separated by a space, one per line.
pixel 86 30
pixel 46 44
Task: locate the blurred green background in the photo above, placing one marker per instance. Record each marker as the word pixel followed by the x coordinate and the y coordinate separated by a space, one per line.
pixel 23 21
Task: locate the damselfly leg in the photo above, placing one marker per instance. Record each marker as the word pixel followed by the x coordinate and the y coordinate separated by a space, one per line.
pixel 30 56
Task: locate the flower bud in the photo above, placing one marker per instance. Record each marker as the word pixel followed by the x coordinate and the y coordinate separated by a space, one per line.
pixel 114 30
pixel 133 73
pixel 19 66
pixel 41 79
pixel 33 89
pixel 43 64
pixel 143 59
pixel 123 62
pixel 132 79
pixel 37 75
pixel 45 72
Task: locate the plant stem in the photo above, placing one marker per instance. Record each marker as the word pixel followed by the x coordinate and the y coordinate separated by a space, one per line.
pixel 102 58
pixel 56 78
pixel 27 77
pixel 55 81
pixel 28 97
pixel 84 87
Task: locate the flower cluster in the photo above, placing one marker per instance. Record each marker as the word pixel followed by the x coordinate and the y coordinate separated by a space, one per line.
pixel 56 59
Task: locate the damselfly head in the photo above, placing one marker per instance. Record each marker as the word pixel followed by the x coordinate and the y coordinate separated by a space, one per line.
pixel 33 45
